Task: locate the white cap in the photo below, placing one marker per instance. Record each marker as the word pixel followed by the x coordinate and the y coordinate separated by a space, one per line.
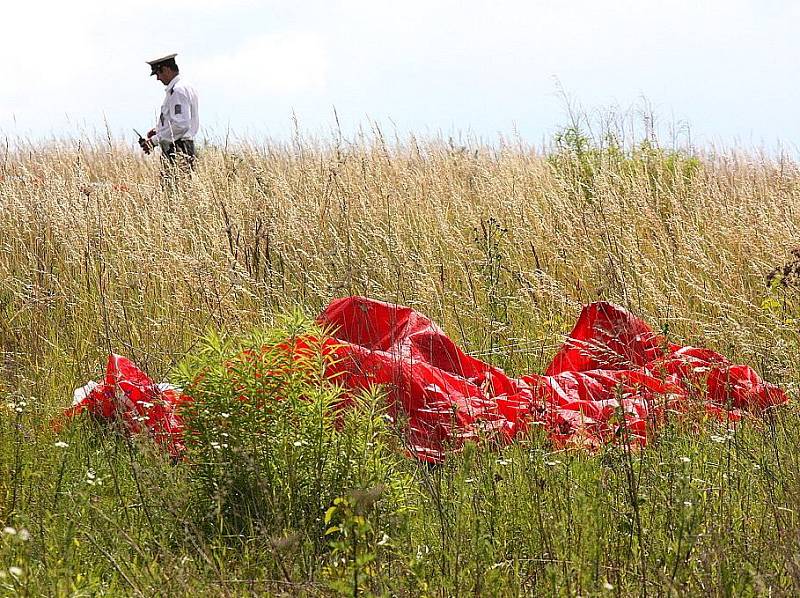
pixel 154 64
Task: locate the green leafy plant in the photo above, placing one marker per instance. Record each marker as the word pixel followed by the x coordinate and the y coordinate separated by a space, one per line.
pixel 269 447
pixel 354 541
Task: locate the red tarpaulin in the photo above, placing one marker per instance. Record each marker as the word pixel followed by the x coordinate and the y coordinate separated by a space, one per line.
pixel 129 396
pixel 613 379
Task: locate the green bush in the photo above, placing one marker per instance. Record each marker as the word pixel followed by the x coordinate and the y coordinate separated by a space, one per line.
pixel 268 446
pixel 578 159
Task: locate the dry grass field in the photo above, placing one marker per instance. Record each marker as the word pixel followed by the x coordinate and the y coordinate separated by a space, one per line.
pixel 500 245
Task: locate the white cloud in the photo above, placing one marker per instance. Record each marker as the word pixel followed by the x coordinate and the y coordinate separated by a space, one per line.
pixel 193 4
pixel 282 64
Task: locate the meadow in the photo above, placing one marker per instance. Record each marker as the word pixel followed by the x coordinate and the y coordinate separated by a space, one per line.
pixel 500 244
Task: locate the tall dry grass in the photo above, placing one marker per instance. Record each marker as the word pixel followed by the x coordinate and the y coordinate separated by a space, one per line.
pixel 500 245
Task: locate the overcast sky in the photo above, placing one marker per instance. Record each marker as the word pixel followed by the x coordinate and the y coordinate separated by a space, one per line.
pixel 727 68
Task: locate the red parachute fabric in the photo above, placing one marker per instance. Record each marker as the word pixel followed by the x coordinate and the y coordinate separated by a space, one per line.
pixel 129 396
pixel 444 395
pixel 613 380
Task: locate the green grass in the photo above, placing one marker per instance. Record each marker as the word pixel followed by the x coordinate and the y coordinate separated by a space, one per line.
pixel 501 246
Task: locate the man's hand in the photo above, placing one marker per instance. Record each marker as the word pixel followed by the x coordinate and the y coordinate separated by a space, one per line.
pixel 146 145
pixel 151 133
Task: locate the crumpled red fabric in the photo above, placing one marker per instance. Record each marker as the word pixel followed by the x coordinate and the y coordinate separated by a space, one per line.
pixel 613 380
pixel 129 396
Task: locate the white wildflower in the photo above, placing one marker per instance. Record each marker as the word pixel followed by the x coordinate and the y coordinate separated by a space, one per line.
pixel 15 571
pixel 10 531
pixel 61 444
pixel 607 586
pixel 92 479
pixel 686 460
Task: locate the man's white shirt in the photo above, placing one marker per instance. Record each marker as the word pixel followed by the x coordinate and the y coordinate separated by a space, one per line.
pixel 178 118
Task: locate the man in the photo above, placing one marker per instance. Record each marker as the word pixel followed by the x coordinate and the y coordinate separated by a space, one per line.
pixel 178 123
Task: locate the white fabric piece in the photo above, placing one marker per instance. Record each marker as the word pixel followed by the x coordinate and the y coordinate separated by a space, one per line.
pixel 83 392
pixel 165 386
